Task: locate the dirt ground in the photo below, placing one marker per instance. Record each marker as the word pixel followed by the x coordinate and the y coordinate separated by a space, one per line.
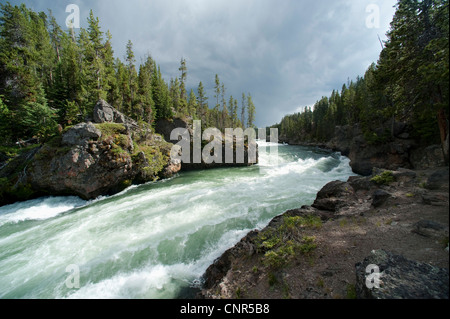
pixel 355 230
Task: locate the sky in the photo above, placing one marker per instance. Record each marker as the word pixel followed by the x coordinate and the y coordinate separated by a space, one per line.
pixel 287 53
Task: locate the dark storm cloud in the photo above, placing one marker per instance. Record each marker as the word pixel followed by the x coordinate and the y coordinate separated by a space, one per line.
pixel 287 54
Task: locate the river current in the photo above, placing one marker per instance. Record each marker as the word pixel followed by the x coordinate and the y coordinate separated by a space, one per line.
pixel 154 240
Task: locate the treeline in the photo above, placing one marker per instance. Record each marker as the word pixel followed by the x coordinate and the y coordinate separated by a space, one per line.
pixel 409 83
pixel 50 78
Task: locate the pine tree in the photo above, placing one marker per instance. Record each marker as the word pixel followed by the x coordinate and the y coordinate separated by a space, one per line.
pixel 94 63
pixel 183 78
pixel 225 115
pixel 243 109
pixel 216 110
pixel 132 81
pixel 109 81
pixel 161 95
pixel 202 103
pixel 251 110
pixel 144 107
pixel 174 89
pixel 192 105
pixel 183 104
pixel 233 110
pixel 24 71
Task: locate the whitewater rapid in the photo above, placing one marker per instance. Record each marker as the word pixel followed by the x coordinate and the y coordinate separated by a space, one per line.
pixel 154 240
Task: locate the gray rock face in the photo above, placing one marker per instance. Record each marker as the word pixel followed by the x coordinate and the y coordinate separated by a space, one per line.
pixel 427 157
pixel 350 141
pixel 80 134
pixel 401 278
pixel 332 196
pixel 165 127
pixel 105 113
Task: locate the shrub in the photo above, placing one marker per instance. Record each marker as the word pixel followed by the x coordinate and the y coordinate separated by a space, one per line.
pixel 384 178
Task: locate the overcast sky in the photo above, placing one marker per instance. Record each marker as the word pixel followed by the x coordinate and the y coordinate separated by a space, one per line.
pixel 286 53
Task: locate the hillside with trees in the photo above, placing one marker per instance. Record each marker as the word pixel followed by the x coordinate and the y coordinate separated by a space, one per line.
pixel 51 79
pixel 408 84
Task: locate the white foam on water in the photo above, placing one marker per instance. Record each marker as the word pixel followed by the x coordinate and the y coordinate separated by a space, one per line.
pixel 152 240
pixel 38 209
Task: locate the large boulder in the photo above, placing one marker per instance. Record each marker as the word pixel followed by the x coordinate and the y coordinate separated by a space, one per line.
pixel 80 134
pixel 102 167
pixel 401 278
pixel 87 170
pixel 91 160
pixel 333 196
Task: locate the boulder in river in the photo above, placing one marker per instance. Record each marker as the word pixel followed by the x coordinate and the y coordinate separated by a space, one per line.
pixel 89 160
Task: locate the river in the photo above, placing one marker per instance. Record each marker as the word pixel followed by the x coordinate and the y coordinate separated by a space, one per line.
pixel 155 240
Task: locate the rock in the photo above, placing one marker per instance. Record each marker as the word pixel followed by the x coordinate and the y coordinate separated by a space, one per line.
pixel 165 127
pixel 404 176
pixel 218 270
pixel 392 155
pixel 173 167
pixel 105 113
pixel 360 183
pixel 350 141
pixel 80 134
pixel 401 278
pixel 439 179
pixel 427 157
pixel 333 196
pixel 88 166
pixel 80 171
pixel 379 197
pixel 435 199
pixel 430 229
pixel 343 138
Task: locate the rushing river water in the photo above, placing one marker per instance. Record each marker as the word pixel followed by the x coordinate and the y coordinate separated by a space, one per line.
pixel 154 240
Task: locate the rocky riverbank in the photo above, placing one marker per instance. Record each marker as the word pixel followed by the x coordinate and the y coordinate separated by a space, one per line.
pixel 397 220
pixel 400 151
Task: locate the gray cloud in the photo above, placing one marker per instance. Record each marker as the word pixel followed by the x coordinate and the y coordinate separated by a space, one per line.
pixel 287 54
